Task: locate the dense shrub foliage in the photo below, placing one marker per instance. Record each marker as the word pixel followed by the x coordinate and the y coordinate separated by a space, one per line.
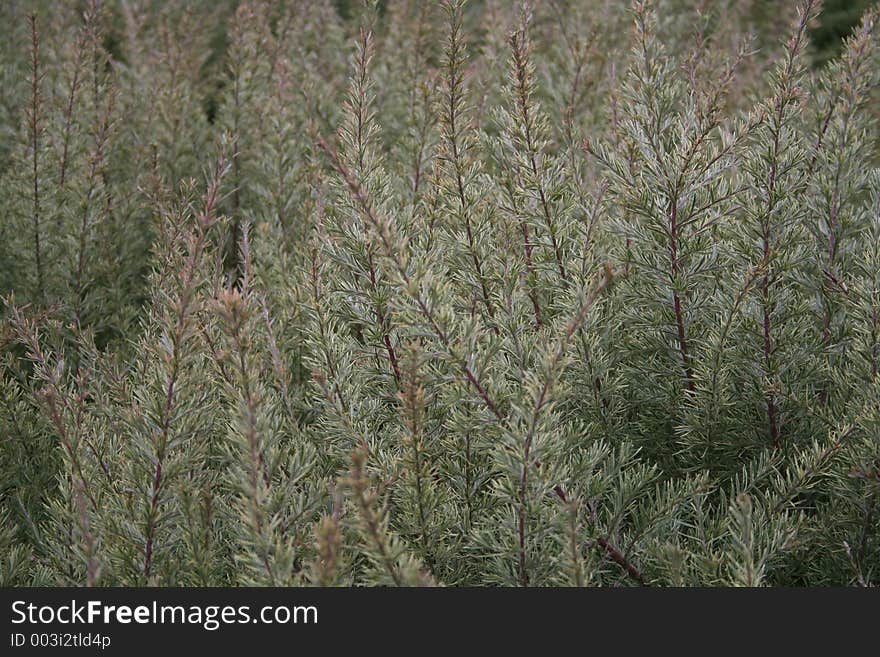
pixel 437 293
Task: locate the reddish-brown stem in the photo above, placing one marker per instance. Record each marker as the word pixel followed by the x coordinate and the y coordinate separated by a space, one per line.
pixel 361 107
pixel 452 136
pixel 786 97
pixel 382 318
pixel 520 54
pixel 68 122
pixel 621 560
pixel 676 299
pixel 615 554
pixel 533 295
pixel 188 284
pixel 34 121
pixel 765 286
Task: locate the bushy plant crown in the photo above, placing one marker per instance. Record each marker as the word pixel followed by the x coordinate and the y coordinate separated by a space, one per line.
pixel 437 293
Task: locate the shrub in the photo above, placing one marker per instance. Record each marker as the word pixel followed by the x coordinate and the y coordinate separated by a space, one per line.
pixel 438 294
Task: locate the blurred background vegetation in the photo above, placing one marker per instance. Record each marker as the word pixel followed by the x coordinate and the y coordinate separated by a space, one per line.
pixel 837 21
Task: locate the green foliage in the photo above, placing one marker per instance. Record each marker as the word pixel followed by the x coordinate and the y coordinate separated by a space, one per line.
pixel 456 293
pixel 838 19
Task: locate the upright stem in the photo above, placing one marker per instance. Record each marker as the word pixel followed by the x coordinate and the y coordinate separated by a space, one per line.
pixel 765 281
pixel 676 299
pixel 523 97
pixel 453 110
pixel 188 287
pixel 35 146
